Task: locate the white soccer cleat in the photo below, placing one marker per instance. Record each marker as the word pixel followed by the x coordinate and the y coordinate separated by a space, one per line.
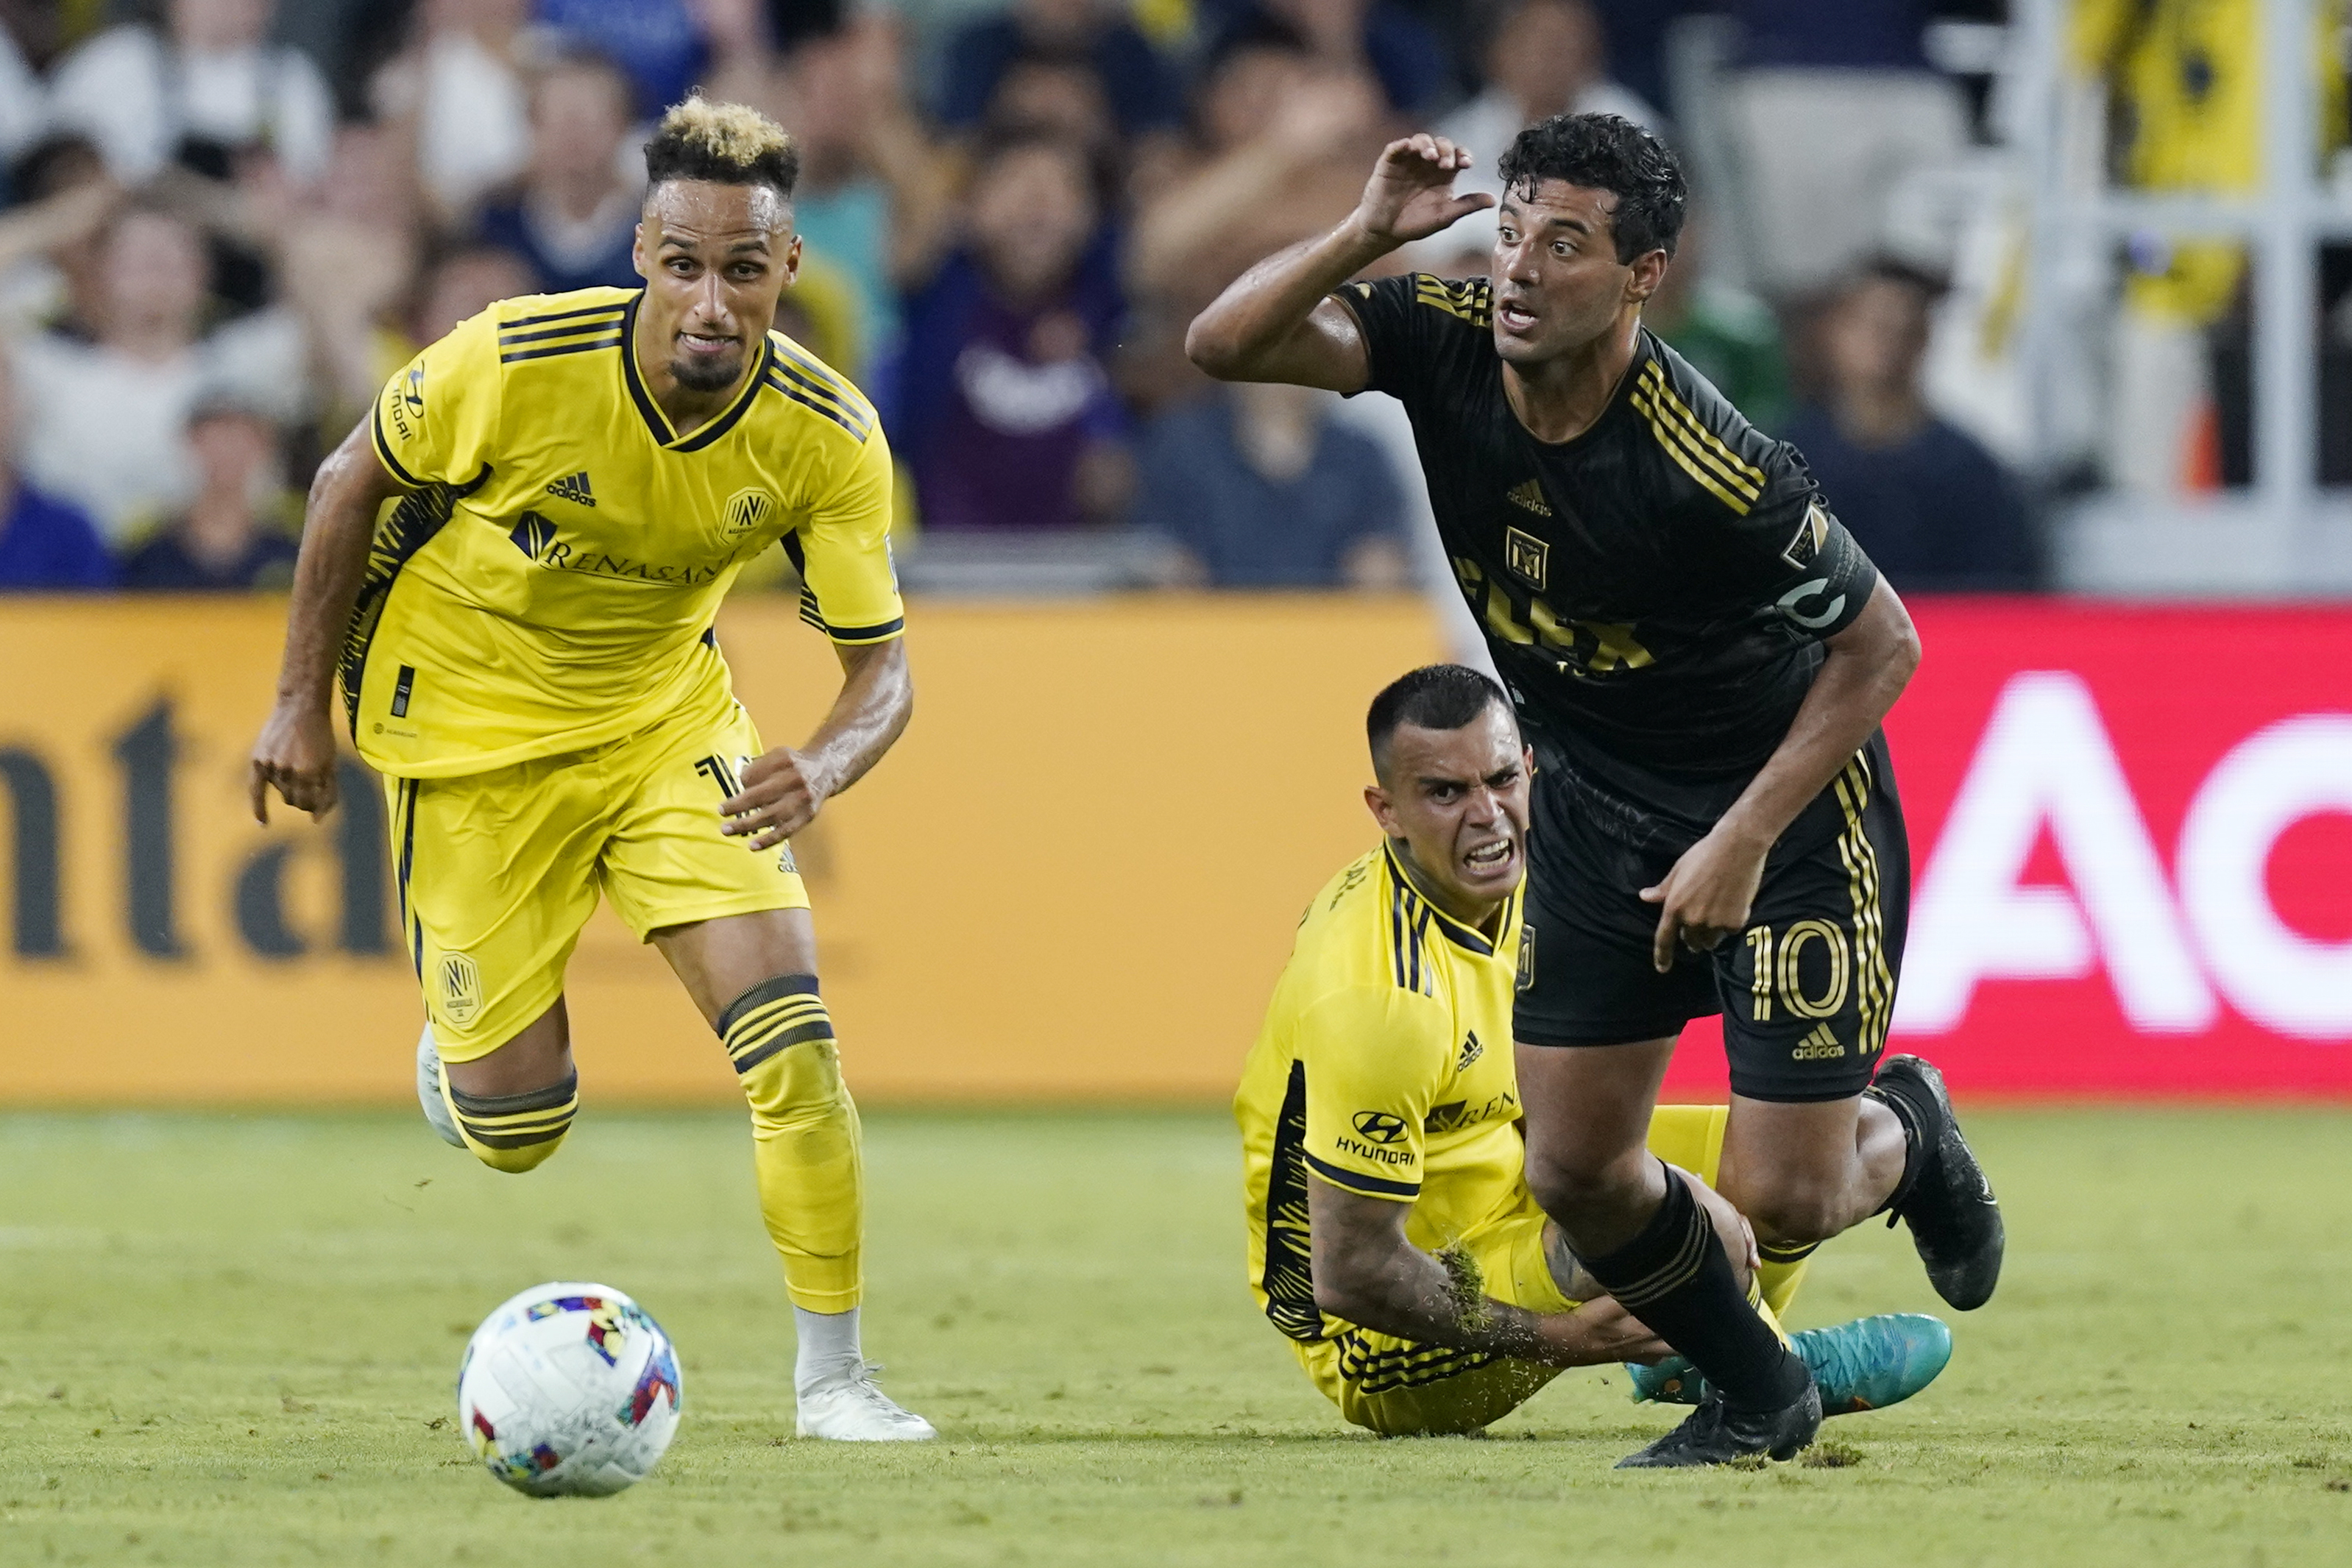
pixel 429 1091
pixel 854 1409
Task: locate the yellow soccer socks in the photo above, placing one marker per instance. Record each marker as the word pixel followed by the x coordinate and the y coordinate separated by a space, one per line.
pixel 514 1133
pixel 804 1137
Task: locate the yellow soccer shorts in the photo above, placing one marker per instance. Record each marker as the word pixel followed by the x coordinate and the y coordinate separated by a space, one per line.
pixel 1400 1388
pixel 497 872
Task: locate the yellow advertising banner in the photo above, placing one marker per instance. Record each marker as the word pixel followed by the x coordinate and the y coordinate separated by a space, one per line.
pixel 1075 878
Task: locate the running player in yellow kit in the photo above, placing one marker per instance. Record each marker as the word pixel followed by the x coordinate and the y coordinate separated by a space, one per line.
pixel 1393 1237
pixel 512 567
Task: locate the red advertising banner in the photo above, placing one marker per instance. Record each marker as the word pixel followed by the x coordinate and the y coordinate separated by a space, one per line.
pixel 2131 838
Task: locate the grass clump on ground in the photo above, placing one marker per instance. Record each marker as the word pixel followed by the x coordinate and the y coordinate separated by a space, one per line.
pixel 234 1339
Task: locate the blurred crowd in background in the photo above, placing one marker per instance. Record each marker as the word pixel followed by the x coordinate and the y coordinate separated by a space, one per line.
pixel 229 222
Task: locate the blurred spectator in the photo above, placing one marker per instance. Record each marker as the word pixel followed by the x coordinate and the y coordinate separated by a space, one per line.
pixel 44 542
pixel 239 531
pixel 1262 490
pixel 872 202
pixel 1375 35
pixel 208 86
pixel 460 88
pixel 1003 407
pixel 1544 58
pixel 461 284
pixel 348 263
pixel 1729 335
pixel 24 106
pixel 574 219
pixel 1929 505
pixel 103 420
pixel 49 261
pixel 658 43
pixel 1142 91
pixel 1285 147
pixel 1834 107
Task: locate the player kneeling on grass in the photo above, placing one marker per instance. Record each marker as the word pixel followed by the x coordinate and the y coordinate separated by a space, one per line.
pixel 1394 1236
pixel 523 639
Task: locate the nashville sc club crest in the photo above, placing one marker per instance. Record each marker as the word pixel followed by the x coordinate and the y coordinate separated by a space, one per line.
pixel 746 510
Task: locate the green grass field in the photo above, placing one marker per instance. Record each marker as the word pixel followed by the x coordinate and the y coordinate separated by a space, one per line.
pixel 232 1339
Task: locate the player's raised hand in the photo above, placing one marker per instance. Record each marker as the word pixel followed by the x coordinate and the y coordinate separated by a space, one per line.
pixel 1410 194
pixel 781 795
pixel 296 755
pixel 1707 896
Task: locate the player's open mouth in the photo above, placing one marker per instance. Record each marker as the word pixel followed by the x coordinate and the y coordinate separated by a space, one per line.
pixel 1514 315
pixel 696 343
pixel 1491 857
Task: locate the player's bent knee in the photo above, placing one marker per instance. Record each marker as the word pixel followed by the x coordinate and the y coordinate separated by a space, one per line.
pixel 516 1133
pixel 780 1038
pixel 1571 1191
pixel 1796 1214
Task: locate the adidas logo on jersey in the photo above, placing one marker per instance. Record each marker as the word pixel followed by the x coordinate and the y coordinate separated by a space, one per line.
pixel 1471 1051
pixel 573 488
pixel 1818 1046
pixel 1530 496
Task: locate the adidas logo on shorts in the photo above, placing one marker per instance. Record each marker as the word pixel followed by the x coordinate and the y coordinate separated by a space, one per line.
pixel 573 488
pixel 1818 1046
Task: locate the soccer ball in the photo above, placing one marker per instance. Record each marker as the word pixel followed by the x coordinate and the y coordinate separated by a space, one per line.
pixel 569 1390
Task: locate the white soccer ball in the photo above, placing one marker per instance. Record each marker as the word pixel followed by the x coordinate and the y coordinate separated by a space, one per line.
pixel 569 1390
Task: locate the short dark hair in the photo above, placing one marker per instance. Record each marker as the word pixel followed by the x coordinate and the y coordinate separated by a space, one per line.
pixel 1606 152
pixel 1435 696
pixel 725 143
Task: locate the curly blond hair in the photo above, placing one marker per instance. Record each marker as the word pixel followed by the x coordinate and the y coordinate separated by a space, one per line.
pixel 726 143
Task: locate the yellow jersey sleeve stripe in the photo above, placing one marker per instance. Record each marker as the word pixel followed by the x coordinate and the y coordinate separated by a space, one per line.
pixel 1360 1184
pixel 610 341
pixel 614 307
pixel 384 448
pixel 800 359
pixel 612 318
pixel 783 380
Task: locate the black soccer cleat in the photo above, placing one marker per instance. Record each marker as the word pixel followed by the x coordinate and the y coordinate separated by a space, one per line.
pixel 1954 1217
pixel 1719 1433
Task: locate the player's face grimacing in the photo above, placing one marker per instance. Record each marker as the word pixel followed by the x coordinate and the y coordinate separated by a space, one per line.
pixel 1458 801
pixel 1558 285
pixel 714 258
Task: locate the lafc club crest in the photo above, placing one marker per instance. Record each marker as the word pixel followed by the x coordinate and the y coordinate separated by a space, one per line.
pixel 1811 535
pixel 461 988
pixel 1527 556
pixel 746 510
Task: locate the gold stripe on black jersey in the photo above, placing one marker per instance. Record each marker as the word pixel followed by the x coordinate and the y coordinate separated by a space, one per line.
pixel 1467 300
pixel 1743 476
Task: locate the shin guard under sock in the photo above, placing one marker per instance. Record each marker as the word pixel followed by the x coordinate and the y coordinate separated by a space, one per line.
pixel 1676 1278
pixel 804 1138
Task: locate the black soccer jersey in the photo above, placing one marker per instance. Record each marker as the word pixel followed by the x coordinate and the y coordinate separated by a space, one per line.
pixel 1654 592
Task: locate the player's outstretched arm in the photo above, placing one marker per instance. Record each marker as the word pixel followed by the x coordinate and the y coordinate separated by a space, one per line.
pixel 1367 1272
pixel 783 790
pixel 1707 896
pixel 1277 322
pixel 295 753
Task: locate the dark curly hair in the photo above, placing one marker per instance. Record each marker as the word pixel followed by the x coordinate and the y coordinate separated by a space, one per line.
pixel 1606 152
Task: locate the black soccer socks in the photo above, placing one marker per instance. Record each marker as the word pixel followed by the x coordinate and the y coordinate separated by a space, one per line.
pixel 1676 1278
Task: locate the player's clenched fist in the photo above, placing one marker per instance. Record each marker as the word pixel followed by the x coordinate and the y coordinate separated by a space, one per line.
pixel 296 753
pixel 780 797
pixel 1410 194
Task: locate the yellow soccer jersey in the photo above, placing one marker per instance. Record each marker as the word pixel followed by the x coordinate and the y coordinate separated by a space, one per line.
pixel 550 583
pixel 1384 1067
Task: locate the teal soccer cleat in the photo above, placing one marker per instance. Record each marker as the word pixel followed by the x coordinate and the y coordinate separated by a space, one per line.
pixel 1867 1364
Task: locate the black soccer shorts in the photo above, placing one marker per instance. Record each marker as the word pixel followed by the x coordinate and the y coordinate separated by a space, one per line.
pixel 1805 991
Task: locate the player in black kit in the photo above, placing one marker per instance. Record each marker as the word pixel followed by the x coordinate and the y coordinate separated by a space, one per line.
pixel 1700 655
